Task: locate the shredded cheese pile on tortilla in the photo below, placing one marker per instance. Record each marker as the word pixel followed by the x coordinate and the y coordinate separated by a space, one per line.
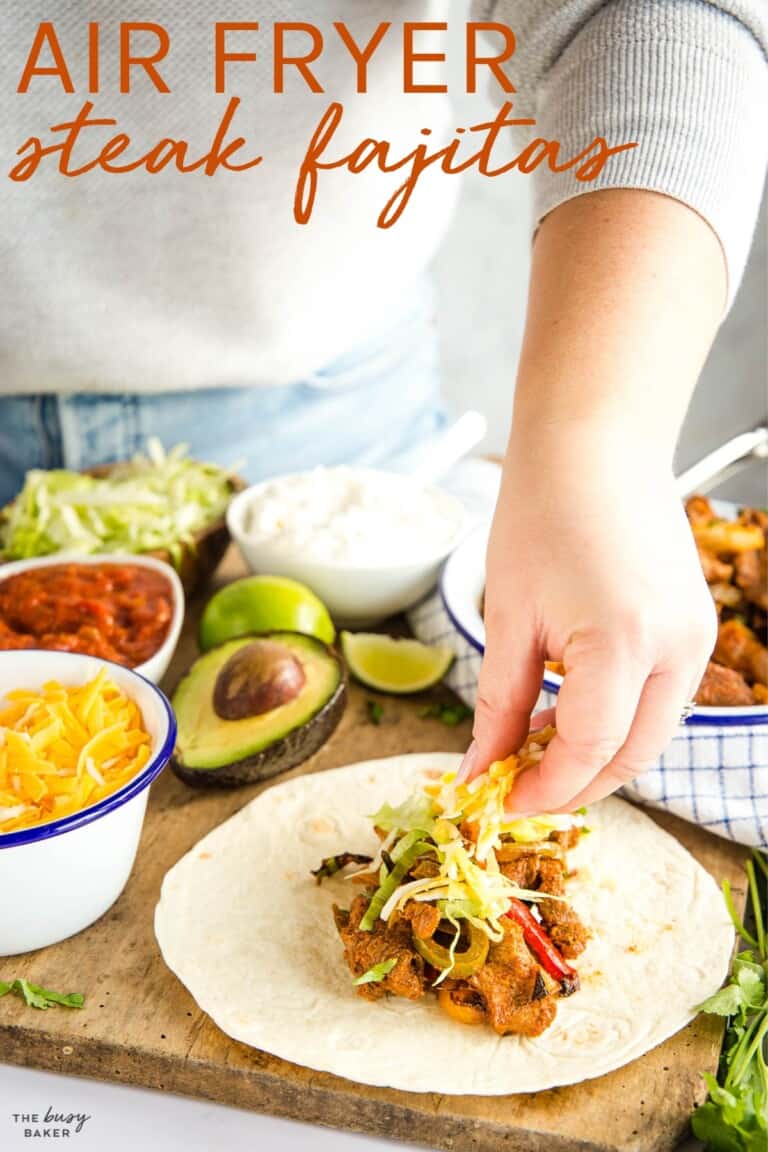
pixel 481 803
pixel 62 749
pixel 465 824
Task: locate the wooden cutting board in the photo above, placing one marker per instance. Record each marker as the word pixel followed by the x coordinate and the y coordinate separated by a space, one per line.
pixel 140 1026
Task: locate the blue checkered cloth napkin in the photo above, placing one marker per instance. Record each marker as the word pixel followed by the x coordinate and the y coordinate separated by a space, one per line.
pixel 712 775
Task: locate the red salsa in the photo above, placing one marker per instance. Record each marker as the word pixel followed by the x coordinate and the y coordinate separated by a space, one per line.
pixel 120 612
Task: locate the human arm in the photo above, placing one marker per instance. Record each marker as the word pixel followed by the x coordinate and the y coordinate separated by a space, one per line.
pixel 590 557
pixel 591 560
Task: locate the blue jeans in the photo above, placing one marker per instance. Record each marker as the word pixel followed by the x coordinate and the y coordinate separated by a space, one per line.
pixel 373 406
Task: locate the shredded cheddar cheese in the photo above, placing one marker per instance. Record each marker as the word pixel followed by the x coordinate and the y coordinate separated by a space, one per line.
pixel 63 749
pixel 464 825
pixel 481 805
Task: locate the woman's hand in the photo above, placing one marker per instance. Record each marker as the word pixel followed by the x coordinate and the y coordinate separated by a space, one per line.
pixel 591 562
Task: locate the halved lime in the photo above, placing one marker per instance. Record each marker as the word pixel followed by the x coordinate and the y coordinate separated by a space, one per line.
pixel 395 665
pixel 264 604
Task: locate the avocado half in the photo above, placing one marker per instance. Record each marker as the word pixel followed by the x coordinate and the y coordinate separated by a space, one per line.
pixel 286 692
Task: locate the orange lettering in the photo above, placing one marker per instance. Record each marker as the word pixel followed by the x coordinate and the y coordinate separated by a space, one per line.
pixel 166 152
pixel 128 60
pixel 593 165
pixel 411 57
pixel 46 34
pixel 27 167
pixel 112 149
pixel 492 62
pixel 300 62
pixel 93 58
pixel 533 154
pixel 220 153
pixel 221 54
pixel 73 129
pixel 361 56
pixel 306 185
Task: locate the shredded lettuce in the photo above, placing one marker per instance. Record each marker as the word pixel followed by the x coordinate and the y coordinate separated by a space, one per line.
pixel 483 803
pixel 377 973
pixel 404 854
pixel 468 883
pixel 155 502
pixel 417 813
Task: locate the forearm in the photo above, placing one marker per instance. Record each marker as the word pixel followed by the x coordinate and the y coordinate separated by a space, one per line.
pixel 627 290
pixel 590 560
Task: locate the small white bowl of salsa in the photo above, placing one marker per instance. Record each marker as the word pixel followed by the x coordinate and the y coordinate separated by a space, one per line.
pixel 120 607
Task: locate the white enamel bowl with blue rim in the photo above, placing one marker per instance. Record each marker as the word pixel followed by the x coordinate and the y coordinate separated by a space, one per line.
pixel 157 665
pixel 57 878
pixel 461 588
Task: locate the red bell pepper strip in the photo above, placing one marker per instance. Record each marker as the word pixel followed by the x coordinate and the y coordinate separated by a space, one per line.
pixel 542 947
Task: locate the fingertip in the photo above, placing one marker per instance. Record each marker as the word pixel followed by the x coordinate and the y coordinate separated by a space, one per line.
pixel 524 799
pixel 469 767
pixel 542 719
pixel 552 782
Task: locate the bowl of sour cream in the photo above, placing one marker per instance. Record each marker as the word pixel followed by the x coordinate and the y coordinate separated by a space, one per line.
pixel 369 543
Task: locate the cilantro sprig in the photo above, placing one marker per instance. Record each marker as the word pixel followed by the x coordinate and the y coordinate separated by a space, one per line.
pixel 36 997
pixel 375 712
pixel 449 714
pixel 734 1118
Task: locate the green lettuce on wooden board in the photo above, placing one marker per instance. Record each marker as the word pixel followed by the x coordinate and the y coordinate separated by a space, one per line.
pixel 152 503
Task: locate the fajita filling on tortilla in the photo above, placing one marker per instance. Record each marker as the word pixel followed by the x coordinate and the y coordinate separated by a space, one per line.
pixel 466 902
pixel 245 927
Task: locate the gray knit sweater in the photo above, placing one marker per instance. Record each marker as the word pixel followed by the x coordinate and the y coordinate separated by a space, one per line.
pixel 687 79
pixel 139 282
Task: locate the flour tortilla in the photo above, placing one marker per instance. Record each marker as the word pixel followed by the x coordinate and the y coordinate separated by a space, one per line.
pixel 246 929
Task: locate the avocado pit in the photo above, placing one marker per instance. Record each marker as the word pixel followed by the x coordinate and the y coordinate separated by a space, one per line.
pixel 257 678
pixel 283 715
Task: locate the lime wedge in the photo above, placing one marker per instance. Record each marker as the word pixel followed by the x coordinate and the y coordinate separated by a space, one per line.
pixel 391 665
pixel 264 604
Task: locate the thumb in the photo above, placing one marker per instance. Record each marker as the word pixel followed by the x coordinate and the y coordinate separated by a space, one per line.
pixel 508 688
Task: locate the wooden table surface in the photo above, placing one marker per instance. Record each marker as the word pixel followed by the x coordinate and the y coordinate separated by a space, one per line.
pixel 140 1026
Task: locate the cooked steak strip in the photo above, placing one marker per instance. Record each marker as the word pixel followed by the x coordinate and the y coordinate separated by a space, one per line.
pixel 738 647
pixel 522 871
pixel 699 510
pixel 715 571
pixel 562 922
pixel 751 570
pixel 722 687
pixel 567 838
pixel 508 983
pixel 530 1020
pixel 424 918
pixel 362 950
pixel 425 868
